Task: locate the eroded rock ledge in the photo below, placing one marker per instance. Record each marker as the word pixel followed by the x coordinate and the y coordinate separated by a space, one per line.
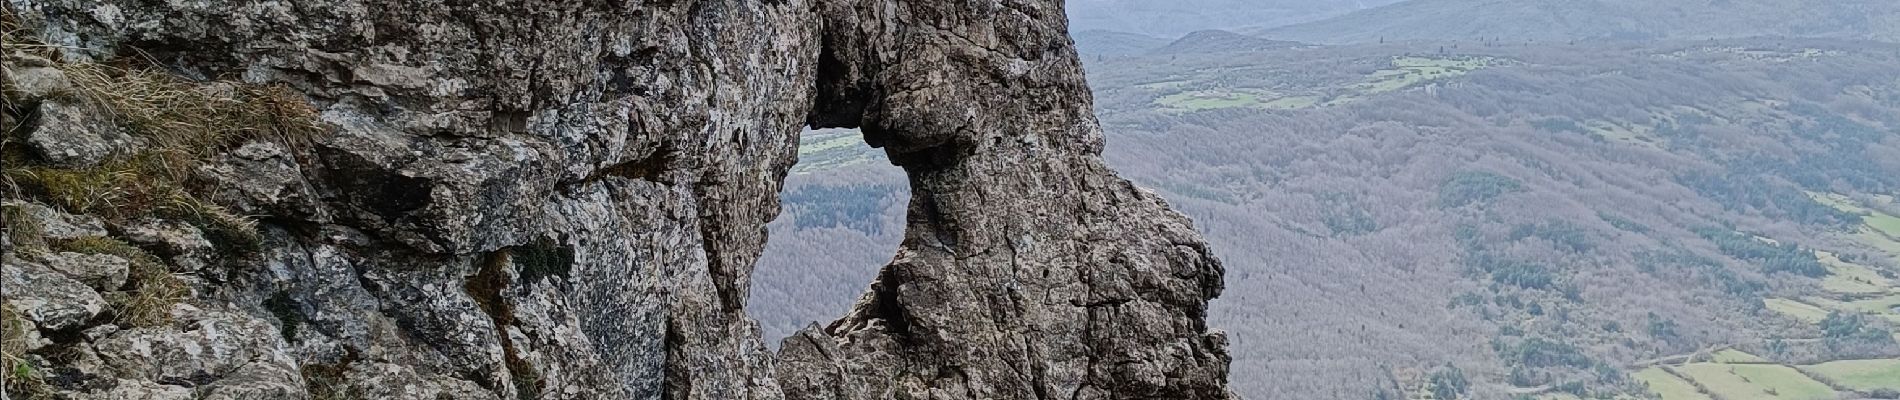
pixel 553 200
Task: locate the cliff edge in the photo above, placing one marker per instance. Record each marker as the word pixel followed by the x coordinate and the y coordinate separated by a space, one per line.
pixel 402 199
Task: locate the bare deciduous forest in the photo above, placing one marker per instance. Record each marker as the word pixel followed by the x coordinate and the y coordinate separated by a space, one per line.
pixel 1475 219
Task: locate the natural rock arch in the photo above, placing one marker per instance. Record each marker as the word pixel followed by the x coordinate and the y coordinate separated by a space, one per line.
pixel 1028 270
pixel 565 200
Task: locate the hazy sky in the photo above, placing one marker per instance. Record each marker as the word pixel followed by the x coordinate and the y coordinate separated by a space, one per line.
pixel 1171 18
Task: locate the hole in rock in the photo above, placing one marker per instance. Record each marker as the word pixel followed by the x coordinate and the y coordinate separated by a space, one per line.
pixel 843 216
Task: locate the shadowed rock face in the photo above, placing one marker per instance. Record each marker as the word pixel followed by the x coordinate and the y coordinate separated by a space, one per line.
pixel 544 199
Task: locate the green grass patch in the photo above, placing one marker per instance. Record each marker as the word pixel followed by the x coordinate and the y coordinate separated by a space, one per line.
pixel 1466 63
pixel 1796 309
pixel 1882 307
pixel 1880 221
pixel 1860 375
pixel 1889 305
pixel 1568 396
pixel 1667 386
pixel 1875 305
pixel 1757 381
pixel 1885 223
pixel 815 142
pixel 1402 72
pixel 1873 238
pixel 1168 84
pixel 1851 278
pixel 829 149
pixel 1408 71
pixel 1292 103
pixel 1734 356
pixel 1209 100
pixel 1887 308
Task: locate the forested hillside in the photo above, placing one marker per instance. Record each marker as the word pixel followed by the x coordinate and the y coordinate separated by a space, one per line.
pixel 1521 21
pixel 1536 218
pixel 1430 220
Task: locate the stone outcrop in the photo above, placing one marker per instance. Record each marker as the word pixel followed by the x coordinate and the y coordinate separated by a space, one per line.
pixel 1028 270
pixel 564 200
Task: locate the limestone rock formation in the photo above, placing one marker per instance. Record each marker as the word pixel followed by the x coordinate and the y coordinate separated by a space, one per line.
pixel 1028 269
pixel 564 200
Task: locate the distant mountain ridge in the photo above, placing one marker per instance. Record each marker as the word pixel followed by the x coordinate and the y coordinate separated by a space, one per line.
pixel 1096 42
pixel 1110 43
pixel 1215 41
pixel 1552 20
pixel 1174 18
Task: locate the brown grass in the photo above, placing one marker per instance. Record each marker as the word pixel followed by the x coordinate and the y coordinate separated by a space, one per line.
pixel 191 118
pixel 184 124
pixel 145 185
pixel 23 381
pixel 153 288
pixel 23 231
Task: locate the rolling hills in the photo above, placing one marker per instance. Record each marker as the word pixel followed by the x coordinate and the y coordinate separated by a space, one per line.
pixel 1099 44
pixel 1521 21
pixel 1219 41
pixel 1541 220
pixel 1178 17
pixel 1113 43
pixel 1423 220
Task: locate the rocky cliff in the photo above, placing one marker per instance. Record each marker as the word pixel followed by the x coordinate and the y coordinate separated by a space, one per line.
pixel 408 199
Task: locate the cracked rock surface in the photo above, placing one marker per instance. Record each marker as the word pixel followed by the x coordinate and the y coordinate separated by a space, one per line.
pixel 1028 269
pixel 565 200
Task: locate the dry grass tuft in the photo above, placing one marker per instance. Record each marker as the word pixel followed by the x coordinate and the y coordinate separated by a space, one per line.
pixel 153 287
pixel 193 119
pixel 15 35
pixel 145 185
pixel 22 379
pixel 184 125
pixel 25 232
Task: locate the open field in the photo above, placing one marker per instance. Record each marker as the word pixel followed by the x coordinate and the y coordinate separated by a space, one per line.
pixel 1881 221
pixel 1757 381
pixel 1668 386
pixel 1851 278
pixel 1861 375
pixel 832 148
pixel 1875 305
pixel 1733 356
pixel 1884 222
pixel 1208 89
pixel 1874 238
pixel 1881 230
pixel 1797 309
pixel 1739 375
pixel 1209 100
pixel 1408 71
